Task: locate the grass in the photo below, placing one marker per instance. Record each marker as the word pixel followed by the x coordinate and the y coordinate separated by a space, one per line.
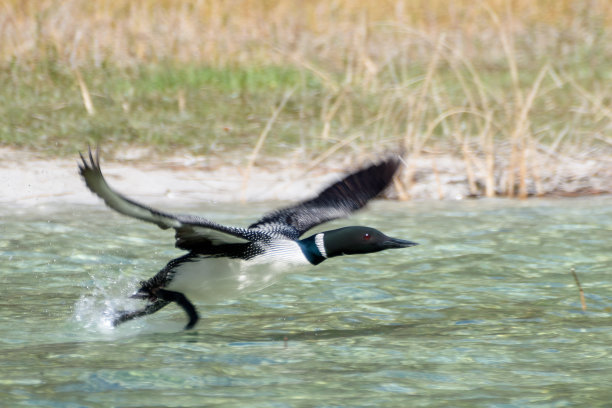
pixel 170 107
pixel 511 87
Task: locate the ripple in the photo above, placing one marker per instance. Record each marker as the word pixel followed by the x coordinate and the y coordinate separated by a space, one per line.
pixel 483 313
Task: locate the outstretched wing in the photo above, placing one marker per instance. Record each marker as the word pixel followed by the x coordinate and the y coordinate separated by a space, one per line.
pixel 192 232
pixel 338 200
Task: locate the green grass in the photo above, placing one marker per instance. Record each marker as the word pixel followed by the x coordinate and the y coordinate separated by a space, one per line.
pixel 171 106
pixel 222 109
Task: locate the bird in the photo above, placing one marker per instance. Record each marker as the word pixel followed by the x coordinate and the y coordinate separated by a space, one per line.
pixel 224 261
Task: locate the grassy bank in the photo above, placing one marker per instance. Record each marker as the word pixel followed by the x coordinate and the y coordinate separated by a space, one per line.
pixel 513 88
pixel 166 106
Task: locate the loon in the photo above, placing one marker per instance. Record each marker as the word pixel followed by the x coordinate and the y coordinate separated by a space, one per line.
pixel 223 261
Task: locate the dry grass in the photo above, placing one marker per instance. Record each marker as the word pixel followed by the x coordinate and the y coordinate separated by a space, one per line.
pixel 227 32
pixel 513 87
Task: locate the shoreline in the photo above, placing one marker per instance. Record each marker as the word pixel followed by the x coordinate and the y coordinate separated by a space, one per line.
pixel 30 180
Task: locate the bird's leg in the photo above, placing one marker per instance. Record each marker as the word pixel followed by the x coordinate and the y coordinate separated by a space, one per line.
pixel 147 310
pixel 182 301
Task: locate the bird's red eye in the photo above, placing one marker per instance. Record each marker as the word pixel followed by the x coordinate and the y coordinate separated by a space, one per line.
pixel 366 236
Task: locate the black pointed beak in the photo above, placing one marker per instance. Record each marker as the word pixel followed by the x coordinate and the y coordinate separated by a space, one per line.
pixel 397 243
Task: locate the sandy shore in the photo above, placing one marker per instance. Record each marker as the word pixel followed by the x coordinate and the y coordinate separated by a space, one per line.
pixel 31 180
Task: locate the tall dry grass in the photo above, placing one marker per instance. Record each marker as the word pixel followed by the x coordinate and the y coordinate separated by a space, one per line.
pixel 226 32
pixel 510 86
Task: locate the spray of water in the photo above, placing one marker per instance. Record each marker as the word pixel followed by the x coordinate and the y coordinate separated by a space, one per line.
pixel 108 293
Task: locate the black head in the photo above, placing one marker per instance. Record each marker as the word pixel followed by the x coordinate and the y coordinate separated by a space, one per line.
pixel 359 240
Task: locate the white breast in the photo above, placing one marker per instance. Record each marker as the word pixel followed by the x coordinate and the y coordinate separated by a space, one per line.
pixel 282 253
pixel 210 280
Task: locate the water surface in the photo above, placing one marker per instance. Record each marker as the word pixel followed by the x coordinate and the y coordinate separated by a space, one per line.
pixel 484 313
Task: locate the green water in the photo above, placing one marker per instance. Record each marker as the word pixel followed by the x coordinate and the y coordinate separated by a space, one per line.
pixel 484 313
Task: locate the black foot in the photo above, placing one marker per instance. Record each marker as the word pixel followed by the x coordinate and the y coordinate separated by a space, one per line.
pixel 124 316
pixel 183 302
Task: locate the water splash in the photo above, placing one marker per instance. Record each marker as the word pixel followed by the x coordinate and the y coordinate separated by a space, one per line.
pixel 109 294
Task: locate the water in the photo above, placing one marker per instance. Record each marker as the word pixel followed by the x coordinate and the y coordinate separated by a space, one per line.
pixel 484 313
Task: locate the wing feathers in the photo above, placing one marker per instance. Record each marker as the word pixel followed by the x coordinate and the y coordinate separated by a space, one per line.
pixel 338 200
pixel 92 174
pixel 191 231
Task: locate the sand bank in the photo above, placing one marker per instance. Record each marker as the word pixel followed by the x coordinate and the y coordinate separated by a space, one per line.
pixel 29 179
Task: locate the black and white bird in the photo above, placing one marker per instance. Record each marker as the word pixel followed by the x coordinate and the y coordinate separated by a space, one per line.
pixel 224 261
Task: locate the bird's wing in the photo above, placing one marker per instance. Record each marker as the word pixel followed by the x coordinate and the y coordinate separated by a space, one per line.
pixel 336 201
pixel 192 232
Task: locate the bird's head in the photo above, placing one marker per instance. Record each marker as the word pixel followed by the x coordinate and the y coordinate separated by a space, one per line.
pixel 359 240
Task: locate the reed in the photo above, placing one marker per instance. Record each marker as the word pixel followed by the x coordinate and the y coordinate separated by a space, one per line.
pixel 261 140
pixel 580 291
pixel 511 87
